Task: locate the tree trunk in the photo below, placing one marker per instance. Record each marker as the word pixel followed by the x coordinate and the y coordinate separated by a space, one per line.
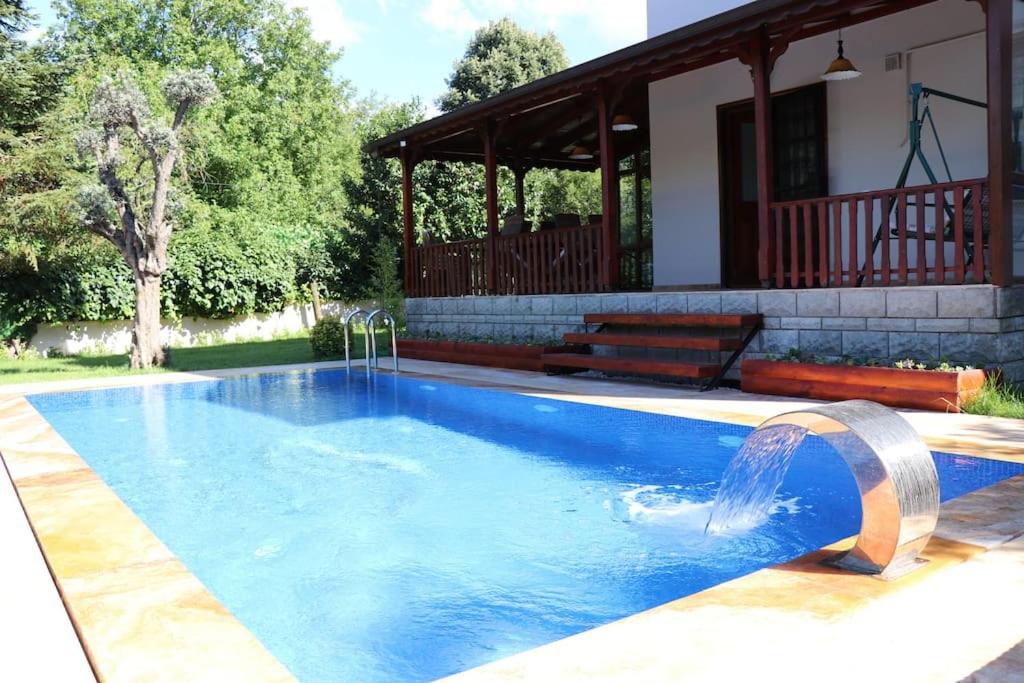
pixel 318 313
pixel 146 349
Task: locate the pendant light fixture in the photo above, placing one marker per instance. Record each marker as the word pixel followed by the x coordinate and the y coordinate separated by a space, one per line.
pixel 841 68
pixel 581 153
pixel 623 123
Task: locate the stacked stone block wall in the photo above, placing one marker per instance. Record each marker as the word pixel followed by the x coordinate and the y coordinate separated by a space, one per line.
pixel 976 324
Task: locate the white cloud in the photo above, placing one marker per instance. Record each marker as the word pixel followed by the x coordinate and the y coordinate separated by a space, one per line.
pixel 612 22
pixel 450 16
pixel 329 22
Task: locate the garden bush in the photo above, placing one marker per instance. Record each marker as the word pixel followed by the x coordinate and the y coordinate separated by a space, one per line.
pixel 211 274
pixel 214 274
pixel 328 338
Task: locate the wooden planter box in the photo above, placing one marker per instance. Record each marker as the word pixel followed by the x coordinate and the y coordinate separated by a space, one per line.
pixel 921 389
pixel 508 356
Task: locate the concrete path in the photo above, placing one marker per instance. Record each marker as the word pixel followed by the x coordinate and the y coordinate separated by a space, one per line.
pixel 37 640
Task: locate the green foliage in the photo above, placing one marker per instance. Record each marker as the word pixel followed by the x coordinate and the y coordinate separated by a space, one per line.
pixel 272 154
pixel 500 57
pixel 451 204
pixel 80 283
pixel 218 275
pixel 997 399
pixel 374 211
pixel 385 285
pixel 327 338
pixel 273 191
pixel 13 18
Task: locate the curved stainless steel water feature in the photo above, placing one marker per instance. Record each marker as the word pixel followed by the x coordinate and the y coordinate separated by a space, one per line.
pixel 895 473
pixel 371 323
pixel 366 338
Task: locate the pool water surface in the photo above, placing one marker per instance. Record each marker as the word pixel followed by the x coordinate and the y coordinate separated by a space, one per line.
pixel 390 528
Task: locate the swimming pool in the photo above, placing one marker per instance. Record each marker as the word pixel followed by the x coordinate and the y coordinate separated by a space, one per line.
pixel 397 529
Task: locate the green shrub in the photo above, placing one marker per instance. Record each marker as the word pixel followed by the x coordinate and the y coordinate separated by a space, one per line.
pixel 214 274
pixel 385 285
pixel 328 338
pixel 998 399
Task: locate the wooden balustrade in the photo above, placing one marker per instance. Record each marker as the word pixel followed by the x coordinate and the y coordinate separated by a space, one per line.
pixel 929 234
pixel 559 261
pixel 452 269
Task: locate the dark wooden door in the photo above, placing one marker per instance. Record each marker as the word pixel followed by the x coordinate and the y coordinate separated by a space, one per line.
pixel 738 167
pixel 801 172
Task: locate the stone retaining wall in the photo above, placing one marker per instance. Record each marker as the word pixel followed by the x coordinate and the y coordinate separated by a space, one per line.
pixel 976 324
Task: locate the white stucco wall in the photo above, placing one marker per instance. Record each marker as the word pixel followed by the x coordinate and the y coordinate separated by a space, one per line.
pixel 115 336
pixel 867 122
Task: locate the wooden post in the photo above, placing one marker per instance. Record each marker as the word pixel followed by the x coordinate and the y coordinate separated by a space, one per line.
pixel 491 188
pixel 520 177
pixel 408 237
pixel 998 37
pixel 761 71
pixel 609 195
pixel 638 201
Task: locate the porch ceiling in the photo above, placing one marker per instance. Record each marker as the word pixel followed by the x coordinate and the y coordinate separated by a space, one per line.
pixel 538 122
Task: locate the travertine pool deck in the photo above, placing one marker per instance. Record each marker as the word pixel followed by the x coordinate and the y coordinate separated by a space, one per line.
pixel 143 616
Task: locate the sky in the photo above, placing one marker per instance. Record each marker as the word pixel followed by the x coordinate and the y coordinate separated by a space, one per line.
pixel 399 49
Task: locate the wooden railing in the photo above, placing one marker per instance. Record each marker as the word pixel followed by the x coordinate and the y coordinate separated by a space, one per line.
pixel 453 269
pixel 916 235
pixel 559 261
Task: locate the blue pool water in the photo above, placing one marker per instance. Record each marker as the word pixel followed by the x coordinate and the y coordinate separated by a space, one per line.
pixel 392 529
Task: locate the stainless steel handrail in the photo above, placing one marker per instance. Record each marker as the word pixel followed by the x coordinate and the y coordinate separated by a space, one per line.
pixel 371 333
pixel 366 339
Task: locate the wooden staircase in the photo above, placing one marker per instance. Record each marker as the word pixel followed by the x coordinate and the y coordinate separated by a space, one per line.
pixel 721 332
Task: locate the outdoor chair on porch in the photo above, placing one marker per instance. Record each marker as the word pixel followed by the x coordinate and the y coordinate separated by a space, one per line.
pixel 567 220
pixel 515 225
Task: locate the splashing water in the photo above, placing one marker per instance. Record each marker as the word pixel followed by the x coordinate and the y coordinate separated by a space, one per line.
pixel 753 477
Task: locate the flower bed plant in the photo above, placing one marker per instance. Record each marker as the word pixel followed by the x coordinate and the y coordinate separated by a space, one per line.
pixel 905 384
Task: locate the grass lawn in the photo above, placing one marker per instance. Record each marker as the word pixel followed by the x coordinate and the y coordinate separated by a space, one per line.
pixel 998 400
pixel 242 355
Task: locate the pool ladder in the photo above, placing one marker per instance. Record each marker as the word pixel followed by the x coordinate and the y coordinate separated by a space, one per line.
pixel 370 338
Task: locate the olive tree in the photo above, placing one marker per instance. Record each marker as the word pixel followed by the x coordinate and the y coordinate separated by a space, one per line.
pixel 138 221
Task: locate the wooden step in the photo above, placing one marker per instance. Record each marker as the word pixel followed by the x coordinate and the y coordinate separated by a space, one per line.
pixel 674 319
pixel 655 341
pixel 486 360
pixel 634 366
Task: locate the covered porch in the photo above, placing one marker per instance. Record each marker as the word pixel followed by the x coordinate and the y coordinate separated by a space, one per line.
pixel 776 220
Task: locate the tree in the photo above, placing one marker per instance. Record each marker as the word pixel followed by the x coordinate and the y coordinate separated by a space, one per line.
pixel 266 163
pixel 13 18
pixel 374 213
pixel 501 56
pixel 141 230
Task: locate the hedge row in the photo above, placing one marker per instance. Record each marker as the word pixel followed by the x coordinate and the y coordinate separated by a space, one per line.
pixel 209 275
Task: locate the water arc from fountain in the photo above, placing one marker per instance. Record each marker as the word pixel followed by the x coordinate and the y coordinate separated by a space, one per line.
pixel 894 471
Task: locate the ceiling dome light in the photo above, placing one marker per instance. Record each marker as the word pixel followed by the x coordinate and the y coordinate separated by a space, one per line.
pixel 841 68
pixel 623 123
pixel 580 153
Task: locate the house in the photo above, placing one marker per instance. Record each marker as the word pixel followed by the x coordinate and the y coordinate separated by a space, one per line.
pixel 868 213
